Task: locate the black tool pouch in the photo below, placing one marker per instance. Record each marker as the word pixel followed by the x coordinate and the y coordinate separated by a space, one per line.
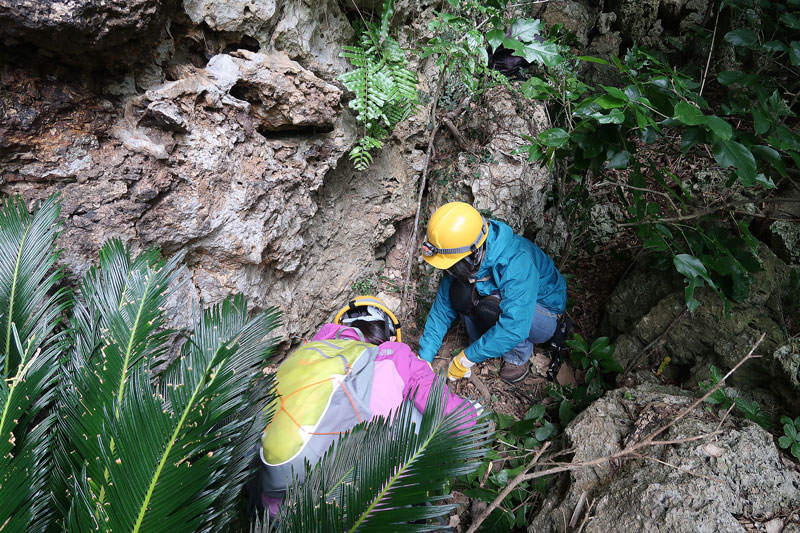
pixel 484 310
pixel 463 297
pixel 487 313
pixel 557 343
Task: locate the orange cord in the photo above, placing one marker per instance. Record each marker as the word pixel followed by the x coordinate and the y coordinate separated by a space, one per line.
pixel 296 423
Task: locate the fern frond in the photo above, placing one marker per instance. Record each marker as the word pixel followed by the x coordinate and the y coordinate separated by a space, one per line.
pixel 381 83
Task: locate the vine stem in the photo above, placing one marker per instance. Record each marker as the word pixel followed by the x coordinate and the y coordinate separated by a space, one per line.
pixel 413 240
pixel 710 52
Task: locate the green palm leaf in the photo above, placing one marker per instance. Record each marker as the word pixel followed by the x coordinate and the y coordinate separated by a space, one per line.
pixel 383 472
pixel 27 255
pixel 30 349
pixel 174 455
pixel 116 327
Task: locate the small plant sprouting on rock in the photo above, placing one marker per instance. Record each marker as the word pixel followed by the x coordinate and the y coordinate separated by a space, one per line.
pixel 748 408
pixel 791 436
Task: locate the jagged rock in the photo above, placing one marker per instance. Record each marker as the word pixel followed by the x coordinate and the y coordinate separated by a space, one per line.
pixel 603 29
pixel 241 165
pixel 576 16
pixel 309 31
pixel 505 184
pixel 786 240
pixel 696 340
pixel 698 486
pixel 81 28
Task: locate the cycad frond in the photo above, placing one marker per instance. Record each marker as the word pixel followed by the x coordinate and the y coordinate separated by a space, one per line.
pixel 172 459
pixel 383 473
pixel 114 329
pixel 29 351
pixel 130 297
pixel 27 255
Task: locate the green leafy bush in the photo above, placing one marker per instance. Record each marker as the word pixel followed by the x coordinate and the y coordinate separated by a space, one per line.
pixel 720 398
pixel 515 444
pixel 597 360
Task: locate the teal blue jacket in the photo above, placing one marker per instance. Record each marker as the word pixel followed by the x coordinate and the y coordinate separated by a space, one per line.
pixel 521 274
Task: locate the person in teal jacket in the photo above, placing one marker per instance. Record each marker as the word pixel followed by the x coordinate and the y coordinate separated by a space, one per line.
pixel 507 290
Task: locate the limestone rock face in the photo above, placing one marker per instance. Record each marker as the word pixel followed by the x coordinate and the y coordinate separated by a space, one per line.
pixel 502 183
pixel 605 29
pixel 697 340
pixel 80 27
pixel 309 31
pixel 707 486
pixel 225 165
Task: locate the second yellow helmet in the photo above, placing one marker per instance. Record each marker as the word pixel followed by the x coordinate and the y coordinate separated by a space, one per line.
pixel 455 230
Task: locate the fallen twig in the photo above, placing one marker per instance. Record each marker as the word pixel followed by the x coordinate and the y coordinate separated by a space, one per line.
pixel 710 52
pixel 460 139
pixel 578 508
pixel 486 396
pixel 506 491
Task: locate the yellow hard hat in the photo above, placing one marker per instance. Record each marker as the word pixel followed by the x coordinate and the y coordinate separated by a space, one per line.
pixel 370 308
pixel 454 231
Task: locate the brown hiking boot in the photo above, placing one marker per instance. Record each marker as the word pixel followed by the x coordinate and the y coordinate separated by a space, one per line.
pixel 513 373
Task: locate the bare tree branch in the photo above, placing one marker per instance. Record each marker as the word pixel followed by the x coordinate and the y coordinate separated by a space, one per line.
pixel 632 450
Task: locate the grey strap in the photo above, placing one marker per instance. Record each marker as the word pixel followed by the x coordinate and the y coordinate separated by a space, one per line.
pixel 358 332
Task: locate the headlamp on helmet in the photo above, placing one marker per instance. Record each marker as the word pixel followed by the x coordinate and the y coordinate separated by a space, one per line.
pixel 370 309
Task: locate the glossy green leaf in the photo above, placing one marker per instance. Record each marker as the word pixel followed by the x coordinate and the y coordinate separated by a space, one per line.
pixel 734 154
pixel 615 92
pixel 691 302
pixel 729 77
pixel 555 137
pixel 791 20
pixel 719 127
pixel 689 114
pixel 536 412
pixel 775 46
pixel 480 494
pixel 741 37
pixel 592 59
pixel 614 117
pixel 619 159
pixel 504 421
pixel 495 38
pixel 690 266
pixel 526 30
pixel 794 53
pixel 543 433
pixel 523 427
pixel 609 102
pixel 762 121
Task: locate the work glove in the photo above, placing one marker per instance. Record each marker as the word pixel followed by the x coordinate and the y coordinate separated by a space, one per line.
pixel 459 367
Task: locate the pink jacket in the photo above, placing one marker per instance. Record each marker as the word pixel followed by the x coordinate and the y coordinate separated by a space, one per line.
pixel 398 373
